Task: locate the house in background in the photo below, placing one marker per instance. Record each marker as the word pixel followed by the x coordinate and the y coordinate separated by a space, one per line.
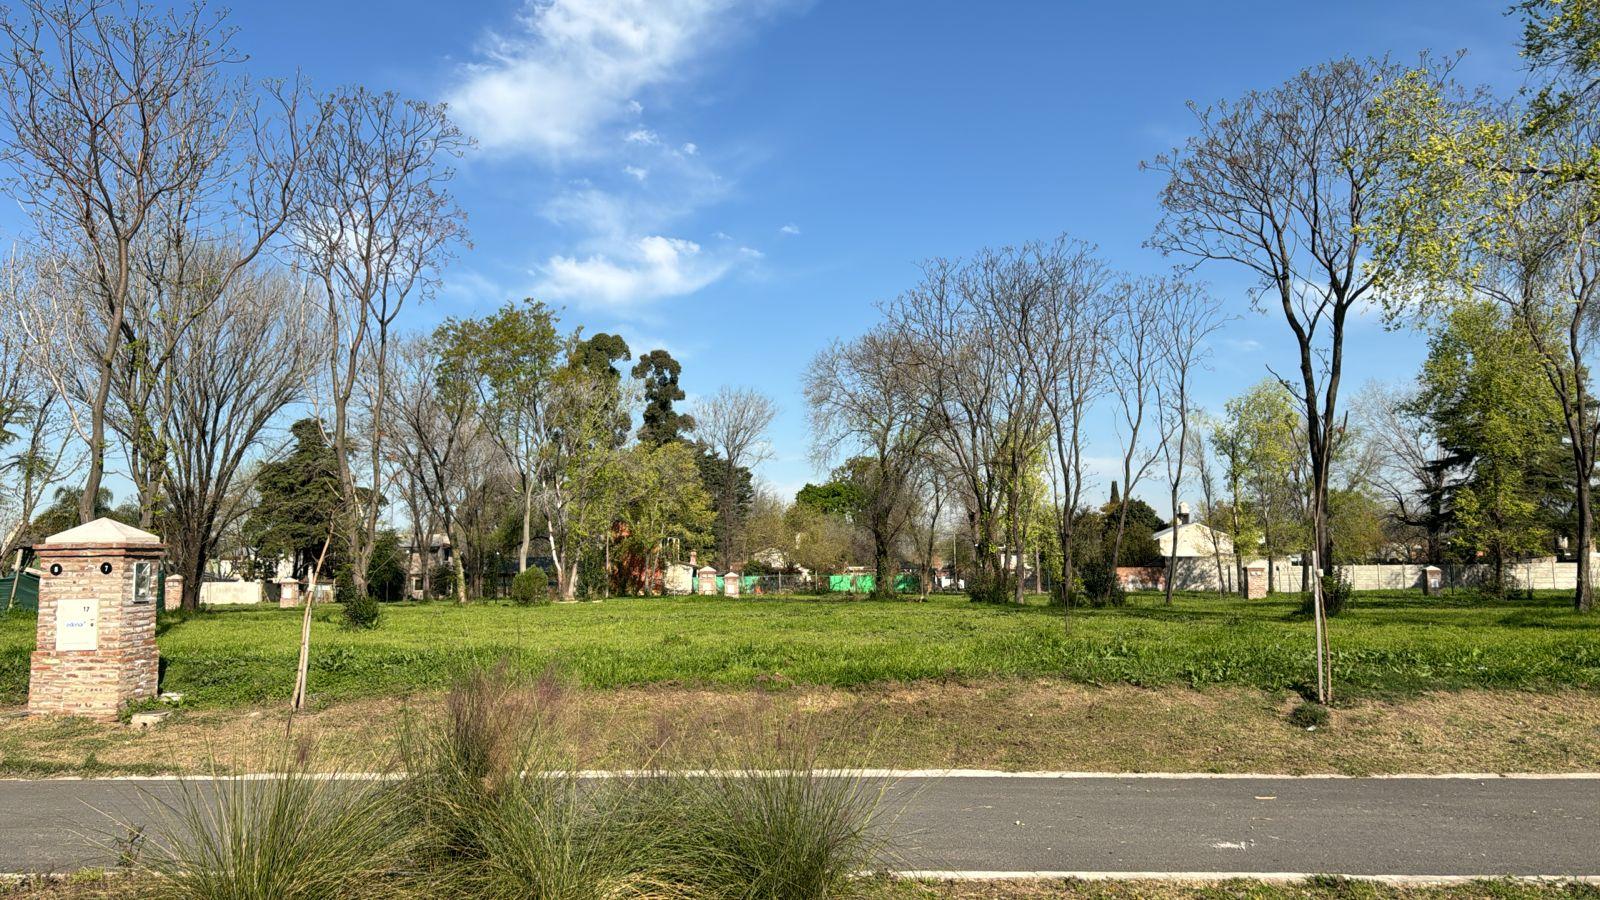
pixel 1204 558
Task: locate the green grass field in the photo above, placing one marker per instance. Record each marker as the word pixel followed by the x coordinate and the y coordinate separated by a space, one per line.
pixel 1388 645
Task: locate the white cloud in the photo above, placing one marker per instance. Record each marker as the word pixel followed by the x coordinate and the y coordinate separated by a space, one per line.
pixel 568 68
pixel 790 229
pixel 650 268
pixel 690 149
pixel 638 173
pixel 642 136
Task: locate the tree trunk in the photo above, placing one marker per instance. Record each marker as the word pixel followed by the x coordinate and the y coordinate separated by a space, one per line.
pixel 527 525
pixel 1583 597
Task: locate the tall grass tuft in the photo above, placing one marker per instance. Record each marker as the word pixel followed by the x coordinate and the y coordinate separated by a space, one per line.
pixel 768 823
pixel 296 835
pixel 504 813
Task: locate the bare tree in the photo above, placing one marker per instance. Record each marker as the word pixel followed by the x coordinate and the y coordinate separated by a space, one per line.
pixel 438 436
pixel 120 118
pixel 1188 316
pixel 860 400
pixel 376 225
pixel 244 358
pixel 973 328
pixel 1205 477
pixel 1136 352
pixel 1408 468
pixel 733 424
pixel 35 428
pixel 1287 183
pixel 1069 368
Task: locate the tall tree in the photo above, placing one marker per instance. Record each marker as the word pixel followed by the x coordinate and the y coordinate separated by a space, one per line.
pixel 1287 183
pixel 732 424
pixel 860 401
pixel 973 329
pixel 1499 427
pixel 1137 351
pixel 1502 201
pixel 1070 368
pixel 122 122
pixel 1189 316
pixel 244 359
pixel 510 358
pixel 297 499
pixel 375 226
pixel 661 423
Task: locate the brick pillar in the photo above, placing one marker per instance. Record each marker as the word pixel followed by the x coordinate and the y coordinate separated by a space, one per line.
pixel 288 593
pixel 1255 581
pixel 95 649
pixel 174 592
pixel 730 584
pixel 708 581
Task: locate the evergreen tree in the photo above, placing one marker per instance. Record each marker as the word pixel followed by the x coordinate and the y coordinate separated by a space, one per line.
pixel 662 424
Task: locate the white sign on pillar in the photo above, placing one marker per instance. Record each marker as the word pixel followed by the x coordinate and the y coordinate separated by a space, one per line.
pixel 78 625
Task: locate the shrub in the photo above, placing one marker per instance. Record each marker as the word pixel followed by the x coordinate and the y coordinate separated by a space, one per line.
pixel 504 812
pixel 298 835
pixel 362 611
pixel 442 581
pixel 530 587
pixel 1336 596
pixel 1309 715
pixel 1101 587
pixel 984 589
pixel 344 587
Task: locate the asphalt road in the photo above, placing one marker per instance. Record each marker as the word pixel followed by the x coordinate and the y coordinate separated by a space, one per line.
pixel 1372 827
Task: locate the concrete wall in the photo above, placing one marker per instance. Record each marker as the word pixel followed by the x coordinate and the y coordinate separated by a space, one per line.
pixel 1538 574
pixel 231 593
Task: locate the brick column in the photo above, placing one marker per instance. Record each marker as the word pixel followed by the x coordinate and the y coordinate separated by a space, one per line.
pixel 95 649
pixel 708 581
pixel 288 593
pixel 1255 581
pixel 730 584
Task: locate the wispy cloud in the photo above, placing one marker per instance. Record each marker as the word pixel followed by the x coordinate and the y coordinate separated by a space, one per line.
pixel 562 85
pixel 789 230
pixel 566 69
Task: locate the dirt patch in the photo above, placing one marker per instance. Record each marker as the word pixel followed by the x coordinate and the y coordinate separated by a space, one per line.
pixel 1009 725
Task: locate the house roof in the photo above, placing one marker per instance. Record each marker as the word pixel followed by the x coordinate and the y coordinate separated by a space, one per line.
pixel 103 531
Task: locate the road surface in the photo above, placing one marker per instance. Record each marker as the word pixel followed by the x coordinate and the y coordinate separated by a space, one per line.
pixel 986 824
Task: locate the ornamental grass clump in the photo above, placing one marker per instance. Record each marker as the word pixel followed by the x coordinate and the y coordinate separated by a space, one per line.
pixel 502 810
pixel 293 835
pixel 768 822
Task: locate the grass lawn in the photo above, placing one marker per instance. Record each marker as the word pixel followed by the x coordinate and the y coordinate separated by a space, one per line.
pixel 1389 645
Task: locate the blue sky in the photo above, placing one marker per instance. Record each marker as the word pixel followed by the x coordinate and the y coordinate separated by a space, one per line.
pixel 740 182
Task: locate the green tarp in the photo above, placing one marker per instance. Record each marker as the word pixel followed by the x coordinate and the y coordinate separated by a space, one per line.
pixel 863 584
pixel 19 593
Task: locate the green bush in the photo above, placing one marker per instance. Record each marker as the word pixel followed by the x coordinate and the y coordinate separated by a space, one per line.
pixel 1309 715
pixel 531 587
pixel 1336 596
pixel 361 609
pixel 984 589
pixel 442 581
pixel 1101 587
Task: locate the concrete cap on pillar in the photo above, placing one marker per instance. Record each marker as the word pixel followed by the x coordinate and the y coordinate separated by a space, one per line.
pixel 102 531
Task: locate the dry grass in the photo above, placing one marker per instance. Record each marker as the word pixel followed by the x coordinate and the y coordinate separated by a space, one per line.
pixel 1017 725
